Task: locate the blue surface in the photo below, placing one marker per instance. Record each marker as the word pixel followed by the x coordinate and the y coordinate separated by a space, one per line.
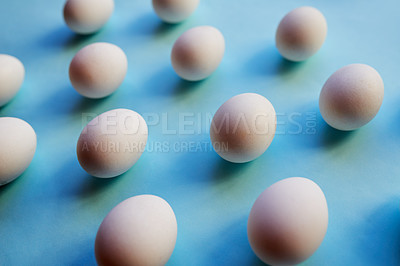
pixel 50 215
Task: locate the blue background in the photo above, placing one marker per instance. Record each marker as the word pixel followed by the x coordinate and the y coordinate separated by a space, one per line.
pixel 50 215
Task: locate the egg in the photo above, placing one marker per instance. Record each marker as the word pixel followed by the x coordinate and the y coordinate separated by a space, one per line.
pixel 98 69
pixel 112 143
pixel 351 97
pixel 141 230
pixel 12 74
pixel 198 52
pixel 87 16
pixel 243 127
pixel 301 33
pixel 174 11
pixel 288 221
pixel 18 146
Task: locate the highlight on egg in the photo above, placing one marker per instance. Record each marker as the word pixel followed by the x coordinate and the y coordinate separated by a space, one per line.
pixel 288 221
pixel 98 70
pixel 87 16
pixel 18 146
pixel 351 97
pixel 112 143
pixel 141 230
pixel 174 11
pixel 12 75
pixel 198 52
pixel 243 127
pixel 301 33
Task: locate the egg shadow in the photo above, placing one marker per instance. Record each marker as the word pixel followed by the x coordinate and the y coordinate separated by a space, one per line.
pixel 92 186
pixel 166 82
pixel 63 37
pixel 80 183
pixel 150 24
pixel 5 108
pixel 225 171
pixel 184 86
pixel 380 238
pixel 14 100
pixel 269 62
pixel 321 134
pixel 257 262
pixel 163 82
pixel 11 185
pixel 67 102
pixel 238 251
pixel 331 136
pixel 286 66
pixel 85 105
pixel 60 101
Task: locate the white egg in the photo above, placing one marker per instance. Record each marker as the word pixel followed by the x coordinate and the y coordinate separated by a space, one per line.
pixel 301 33
pixel 98 69
pixel 112 142
pixel 12 74
pixel 351 97
pixel 198 52
pixel 288 221
pixel 18 146
pixel 243 127
pixel 141 230
pixel 87 16
pixel 174 11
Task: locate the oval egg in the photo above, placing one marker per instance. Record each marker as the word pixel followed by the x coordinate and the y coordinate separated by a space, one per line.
pixel 288 221
pixel 98 69
pixel 87 16
pixel 12 74
pixel 18 146
pixel 174 11
pixel 198 52
pixel 301 33
pixel 351 97
pixel 112 142
pixel 141 230
pixel 243 127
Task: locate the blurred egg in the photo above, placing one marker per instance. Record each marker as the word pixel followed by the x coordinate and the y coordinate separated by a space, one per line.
pixel 301 33
pixel 288 221
pixel 112 142
pixel 243 127
pixel 174 11
pixel 198 52
pixel 12 74
pixel 87 16
pixel 18 146
pixel 351 97
pixel 98 69
pixel 141 230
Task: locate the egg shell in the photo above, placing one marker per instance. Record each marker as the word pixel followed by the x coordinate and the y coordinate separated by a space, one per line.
pixel 87 16
pixel 174 11
pixel 12 74
pixel 301 33
pixel 98 69
pixel 243 127
pixel 141 230
pixel 288 221
pixel 351 97
pixel 112 142
pixel 198 52
pixel 18 146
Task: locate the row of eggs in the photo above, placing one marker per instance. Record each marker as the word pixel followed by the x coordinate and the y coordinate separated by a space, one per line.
pixel 245 125
pixel 286 225
pixel 142 230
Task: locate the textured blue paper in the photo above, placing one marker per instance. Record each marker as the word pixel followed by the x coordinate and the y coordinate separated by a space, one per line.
pixel 50 215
